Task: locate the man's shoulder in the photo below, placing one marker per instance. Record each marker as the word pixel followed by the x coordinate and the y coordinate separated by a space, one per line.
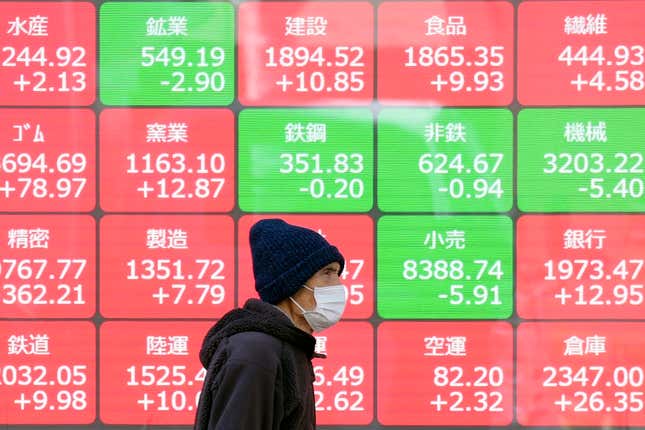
pixel 255 346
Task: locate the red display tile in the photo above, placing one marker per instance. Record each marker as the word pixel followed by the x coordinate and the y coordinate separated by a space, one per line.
pixel 47 266
pixel 354 237
pixel 580 266
pixel 581 53
pixel 305 53
pixel 157 160
pixel 150 372
pixel 585 374
pixel 170 266
pixel 344 382
pixel 48 53
pixel 457 373
pixel 47 160
pixel 47 373
pixel 445 53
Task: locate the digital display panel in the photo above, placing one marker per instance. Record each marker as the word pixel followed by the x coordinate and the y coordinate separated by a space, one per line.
pixel 48 266
pixel 445 53
pixel 580 53
pixel 48 160
pixel 48 372
pixel 589 373
pixel 311 53
pixel 48 54
pixel 172 269
pixel 167 160
pixel 166 53
pixel 465 381
pixel 478 163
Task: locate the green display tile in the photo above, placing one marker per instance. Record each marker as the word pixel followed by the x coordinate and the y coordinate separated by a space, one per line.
pixel 445 160
pixel 166 53
pixel 444 267
pixel 581 160
pixel 305 160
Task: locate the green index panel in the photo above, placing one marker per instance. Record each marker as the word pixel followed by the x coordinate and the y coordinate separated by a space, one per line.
pixel 581 160
pixel 444 267
pixel 166 53
pixel 305 160
pixel 445 160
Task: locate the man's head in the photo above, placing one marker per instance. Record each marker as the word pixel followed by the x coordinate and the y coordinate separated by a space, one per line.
pixel 286 257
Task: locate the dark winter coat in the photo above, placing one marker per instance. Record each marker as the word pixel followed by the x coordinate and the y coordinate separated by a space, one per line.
pixel 259 374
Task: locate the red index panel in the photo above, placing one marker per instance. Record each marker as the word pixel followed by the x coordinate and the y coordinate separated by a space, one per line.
pixel 166 266
pixel 445 53
pixel 47 266
pixel 48 53
pixel 150 372
pixel 585 374
pixel 581 53
pixel 445 373
pixel 306 53
pixel 158 160
pixel 47 160
pixel 354 237
pixel 47 373
pixel 581 266
pixel 344 382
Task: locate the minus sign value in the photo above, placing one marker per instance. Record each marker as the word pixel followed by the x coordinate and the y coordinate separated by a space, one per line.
pixel 164 83
pixel 443 296
pixel 303 190
pixel 583 189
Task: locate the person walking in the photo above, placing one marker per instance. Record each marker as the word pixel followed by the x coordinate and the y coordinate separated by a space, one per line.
pixel 258 357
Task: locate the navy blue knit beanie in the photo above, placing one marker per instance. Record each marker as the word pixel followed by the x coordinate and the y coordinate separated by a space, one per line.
pixel 285 256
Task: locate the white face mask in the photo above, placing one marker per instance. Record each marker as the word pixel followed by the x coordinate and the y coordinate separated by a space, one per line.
pixel 330 304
